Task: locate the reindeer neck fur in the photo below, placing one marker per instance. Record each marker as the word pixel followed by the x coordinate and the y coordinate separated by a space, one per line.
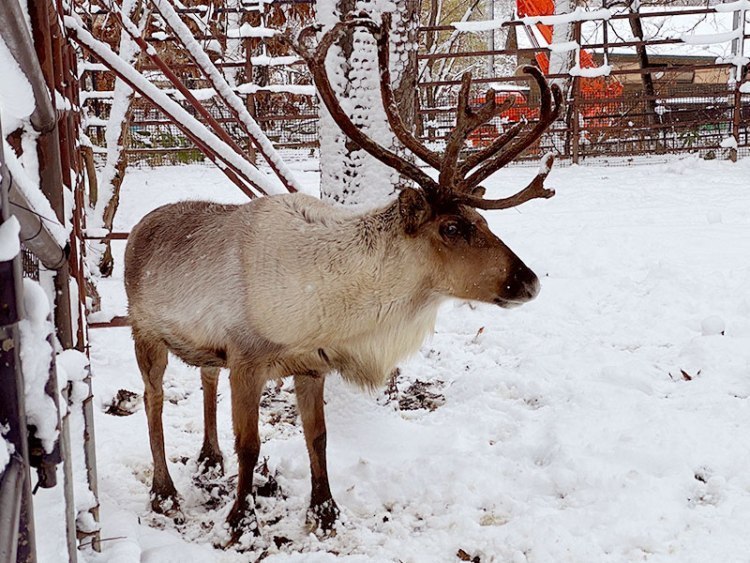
pixel 360 289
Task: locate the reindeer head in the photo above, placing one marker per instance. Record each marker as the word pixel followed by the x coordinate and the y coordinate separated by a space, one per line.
pixel 473 262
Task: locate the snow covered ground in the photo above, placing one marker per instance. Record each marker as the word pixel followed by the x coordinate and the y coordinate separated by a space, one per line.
pixel 607 421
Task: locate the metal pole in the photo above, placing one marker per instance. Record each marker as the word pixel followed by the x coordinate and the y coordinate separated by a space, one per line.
pixel 491 40
pixel 574 99
pixel 16 504
pixel 738 48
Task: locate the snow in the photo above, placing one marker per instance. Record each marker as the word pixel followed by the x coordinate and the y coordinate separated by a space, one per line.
pixel 580 14
pixel 593 72
pixel 16 95
pixel 563 47
pixel 73 368
pixel 729 143
pixel 597 423
pixel 303 89
pixel 713 325
pixel 711 38
pixel 5 449
pixel 477 26
pixel 36 359
pixel 10 245
pixel 732 6
pixel 35 197
pixel 246 30
pixel 265 60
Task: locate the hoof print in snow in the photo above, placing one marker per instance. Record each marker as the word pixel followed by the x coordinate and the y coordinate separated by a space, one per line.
pixel 269 489
pixel 214 488
pixel 463 556
pixel 418 395
pixel 421 395
pixel 124 403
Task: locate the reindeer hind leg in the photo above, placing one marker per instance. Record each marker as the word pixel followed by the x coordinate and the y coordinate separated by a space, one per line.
pixel 210 459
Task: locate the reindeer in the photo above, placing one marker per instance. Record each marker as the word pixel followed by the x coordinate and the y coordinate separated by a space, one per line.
pixel 289 285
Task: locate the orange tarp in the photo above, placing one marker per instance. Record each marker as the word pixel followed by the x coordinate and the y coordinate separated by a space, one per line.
pixel 598 87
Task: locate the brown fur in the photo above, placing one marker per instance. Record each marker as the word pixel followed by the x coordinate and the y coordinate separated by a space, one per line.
pixel 289 285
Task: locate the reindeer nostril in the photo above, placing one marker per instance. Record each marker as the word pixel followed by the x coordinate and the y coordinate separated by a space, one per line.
pixel 523 285
pixel 533 286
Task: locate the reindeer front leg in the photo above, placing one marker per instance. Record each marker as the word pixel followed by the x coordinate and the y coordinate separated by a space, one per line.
pixel 323 511
pixel 246 388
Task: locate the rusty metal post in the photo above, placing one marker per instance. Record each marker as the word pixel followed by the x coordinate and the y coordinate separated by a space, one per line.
pixel 50 163
pixel 738 48
pixel 16 507
pixel 574 101
pixel 247 44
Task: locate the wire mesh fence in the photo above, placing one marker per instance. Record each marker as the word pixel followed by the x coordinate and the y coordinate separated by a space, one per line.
pixel 29 264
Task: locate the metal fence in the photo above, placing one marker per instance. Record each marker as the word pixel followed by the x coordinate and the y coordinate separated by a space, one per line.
pixel 689 107
pixel 48 62
pixel 643 106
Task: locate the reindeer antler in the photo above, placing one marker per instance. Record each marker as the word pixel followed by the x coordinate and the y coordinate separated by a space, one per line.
pixel 453 181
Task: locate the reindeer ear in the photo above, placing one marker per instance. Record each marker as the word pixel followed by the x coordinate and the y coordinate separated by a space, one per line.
pixel 479 191
pixel 413 208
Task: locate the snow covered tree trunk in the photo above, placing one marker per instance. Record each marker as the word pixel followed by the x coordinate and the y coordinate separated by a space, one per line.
pixel 504 65
pixel 648 84
pixel 112 175
pixel 348 174
pixel 560 62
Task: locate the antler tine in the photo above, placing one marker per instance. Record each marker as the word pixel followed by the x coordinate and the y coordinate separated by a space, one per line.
pixel 316 63
pixel 473 160
pixel 389 99
pixel 467 120
pixel 457 137
pixel 548 113
pixel 534 190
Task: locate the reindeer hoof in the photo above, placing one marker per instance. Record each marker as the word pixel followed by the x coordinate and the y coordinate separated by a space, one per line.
pixel 322 518
pixel 211 464
pixel 243 527
pixel 167 505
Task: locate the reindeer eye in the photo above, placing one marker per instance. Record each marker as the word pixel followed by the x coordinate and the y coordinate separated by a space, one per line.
pixel 449 229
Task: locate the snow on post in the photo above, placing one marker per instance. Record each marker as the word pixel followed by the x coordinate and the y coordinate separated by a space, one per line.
pixel 10 245
pixel 36 355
